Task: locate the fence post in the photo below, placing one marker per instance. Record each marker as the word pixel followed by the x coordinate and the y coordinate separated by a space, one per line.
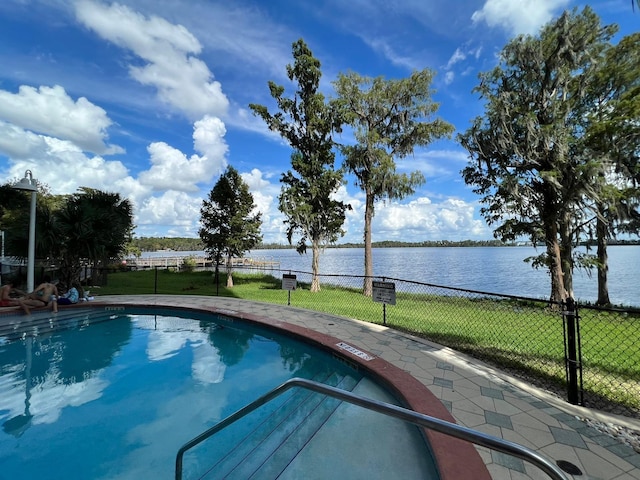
pixel 155 281
pixel 572 360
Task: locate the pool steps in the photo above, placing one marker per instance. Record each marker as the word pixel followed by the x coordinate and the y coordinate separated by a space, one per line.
pixel 268 449
pixel 552 470
pixel 39 323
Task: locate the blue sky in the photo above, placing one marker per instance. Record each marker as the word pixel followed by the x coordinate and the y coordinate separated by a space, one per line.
pixel 149 98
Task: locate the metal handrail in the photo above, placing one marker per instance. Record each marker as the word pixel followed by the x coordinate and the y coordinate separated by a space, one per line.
pixel 407 415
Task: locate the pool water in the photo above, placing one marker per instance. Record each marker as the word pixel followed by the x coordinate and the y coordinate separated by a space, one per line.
pixel 102 395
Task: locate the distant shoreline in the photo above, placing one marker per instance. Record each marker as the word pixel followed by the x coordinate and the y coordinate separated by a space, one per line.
pixel 176 244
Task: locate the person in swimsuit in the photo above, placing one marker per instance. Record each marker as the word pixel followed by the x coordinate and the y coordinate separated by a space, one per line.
pixel 45 294
pixel 5 296
pixel 7 301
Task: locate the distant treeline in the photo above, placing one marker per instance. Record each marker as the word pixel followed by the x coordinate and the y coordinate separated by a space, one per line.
pixel 430 243
pixel 153 244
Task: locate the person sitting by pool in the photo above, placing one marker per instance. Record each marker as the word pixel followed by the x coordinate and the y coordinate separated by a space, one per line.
pixel 6 300
pixel 46 294
pixel 71 296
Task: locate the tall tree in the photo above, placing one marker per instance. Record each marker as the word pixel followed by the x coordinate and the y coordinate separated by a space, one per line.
pixel 307 123
pixel 93 225
pixel 390 119
pixel 520 148
pixel 609 119
pixel 229 226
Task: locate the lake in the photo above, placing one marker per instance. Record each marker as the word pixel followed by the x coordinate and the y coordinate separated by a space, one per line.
pixel 499 270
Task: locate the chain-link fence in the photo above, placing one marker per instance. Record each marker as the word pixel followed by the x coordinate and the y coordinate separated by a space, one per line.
pixel 610 346
pixel 587 355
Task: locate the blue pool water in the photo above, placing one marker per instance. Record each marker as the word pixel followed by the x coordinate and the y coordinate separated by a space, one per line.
pixel 102 395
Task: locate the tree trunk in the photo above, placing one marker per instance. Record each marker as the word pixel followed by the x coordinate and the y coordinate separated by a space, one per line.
pixel 229 273
pixel 368 254
pixel 603 263
pixel 315 266
pixel 70 270
pixel 566 254
pixel 558 293
pixel 99 272
pixel 549 218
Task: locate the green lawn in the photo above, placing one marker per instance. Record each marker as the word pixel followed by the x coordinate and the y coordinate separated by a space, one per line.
pixel 523 336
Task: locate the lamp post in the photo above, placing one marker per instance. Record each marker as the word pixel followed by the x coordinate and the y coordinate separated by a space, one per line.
pixel 2 256
pixel 30 184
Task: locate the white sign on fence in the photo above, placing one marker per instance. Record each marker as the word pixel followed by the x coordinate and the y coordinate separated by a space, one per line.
pixel 384 292
pixel 288 281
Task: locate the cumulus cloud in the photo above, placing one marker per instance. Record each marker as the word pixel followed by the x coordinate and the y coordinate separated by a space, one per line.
pixel 172 170
pixel 423 219
pixel 170 208
pixel 51 111
pixel 518 16
pixel 263 191
pixel 20 144
pixel 182 80
pixel 265 196
pixel 61 164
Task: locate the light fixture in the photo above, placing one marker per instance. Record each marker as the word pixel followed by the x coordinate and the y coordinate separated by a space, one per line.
pixel 30 184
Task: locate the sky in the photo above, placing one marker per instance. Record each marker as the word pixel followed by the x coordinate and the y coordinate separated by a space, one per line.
pixel 149 98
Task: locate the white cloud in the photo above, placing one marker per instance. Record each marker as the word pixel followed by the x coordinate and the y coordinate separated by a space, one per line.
pixel 182 80
pixel 264 192
pixel 20 144
pixel 449 77
pixel 170 208
pixel 172 170
pixel 421 219
pixel 434 163
pixel 386 50
pixel 265 196
pixel 457 56
pixel 50 111
pixel 60 164
pixel 518 16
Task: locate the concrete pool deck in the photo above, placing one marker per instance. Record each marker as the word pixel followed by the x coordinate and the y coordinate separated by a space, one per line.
pixel 477 396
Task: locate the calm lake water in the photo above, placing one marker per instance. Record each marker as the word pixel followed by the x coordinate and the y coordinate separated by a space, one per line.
pixel 489 269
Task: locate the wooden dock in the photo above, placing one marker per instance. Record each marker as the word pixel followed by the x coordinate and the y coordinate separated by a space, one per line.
pixel 199 262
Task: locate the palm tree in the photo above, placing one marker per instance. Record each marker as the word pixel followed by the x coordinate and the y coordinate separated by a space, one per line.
pixel 95 226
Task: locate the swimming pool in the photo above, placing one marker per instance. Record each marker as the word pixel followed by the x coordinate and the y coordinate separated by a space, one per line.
pixel 113 393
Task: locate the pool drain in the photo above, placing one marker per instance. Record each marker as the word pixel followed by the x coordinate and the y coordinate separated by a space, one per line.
pixel 569 467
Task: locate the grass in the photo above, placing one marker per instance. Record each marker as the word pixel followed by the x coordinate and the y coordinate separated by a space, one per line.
pixel 521 336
